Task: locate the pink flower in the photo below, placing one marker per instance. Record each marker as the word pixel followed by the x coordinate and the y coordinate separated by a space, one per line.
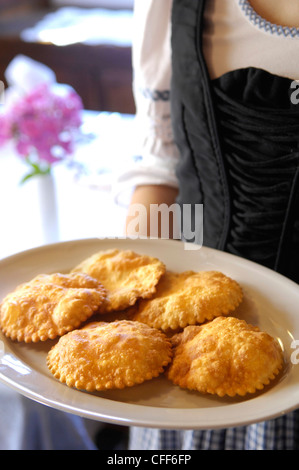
pixel 5 129
pixel 44 123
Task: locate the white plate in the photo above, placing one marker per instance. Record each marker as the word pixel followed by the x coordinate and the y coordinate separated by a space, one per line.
pixel 271 302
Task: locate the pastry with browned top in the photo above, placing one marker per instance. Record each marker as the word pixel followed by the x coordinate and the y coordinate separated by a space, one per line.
pixel 50 305
pixel 113 355
pixel 226 356
pixel 126 275
pixel 188 298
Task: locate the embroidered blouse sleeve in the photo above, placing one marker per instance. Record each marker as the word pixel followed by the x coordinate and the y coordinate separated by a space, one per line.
pixel 151 86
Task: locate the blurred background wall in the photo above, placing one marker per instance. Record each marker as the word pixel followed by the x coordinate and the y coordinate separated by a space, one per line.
pixel 87 45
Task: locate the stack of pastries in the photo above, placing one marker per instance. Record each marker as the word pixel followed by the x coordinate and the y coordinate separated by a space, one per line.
pixel 121 318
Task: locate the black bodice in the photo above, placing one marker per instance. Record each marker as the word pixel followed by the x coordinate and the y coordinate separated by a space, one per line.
pixel 238 136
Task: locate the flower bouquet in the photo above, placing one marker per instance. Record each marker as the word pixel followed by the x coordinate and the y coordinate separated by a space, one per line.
pixel 43 124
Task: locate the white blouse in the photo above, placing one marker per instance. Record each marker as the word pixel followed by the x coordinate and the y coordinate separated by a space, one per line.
pixel 234 36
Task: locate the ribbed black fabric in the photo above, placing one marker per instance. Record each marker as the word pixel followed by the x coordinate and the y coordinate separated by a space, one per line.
pixel 239 141
pixel 260 131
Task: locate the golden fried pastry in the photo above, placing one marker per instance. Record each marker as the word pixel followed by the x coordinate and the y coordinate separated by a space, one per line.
pixel 49 306
pixel 226 356
pixel 127 276
pixel 104 356
pixel 188 298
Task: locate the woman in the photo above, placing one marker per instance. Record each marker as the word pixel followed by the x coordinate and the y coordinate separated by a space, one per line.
pixel 220 75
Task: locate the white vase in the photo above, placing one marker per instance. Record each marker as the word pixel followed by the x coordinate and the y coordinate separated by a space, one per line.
pixel 46 194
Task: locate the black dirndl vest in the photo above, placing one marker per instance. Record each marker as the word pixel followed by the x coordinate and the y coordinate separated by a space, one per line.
pixel 238 137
